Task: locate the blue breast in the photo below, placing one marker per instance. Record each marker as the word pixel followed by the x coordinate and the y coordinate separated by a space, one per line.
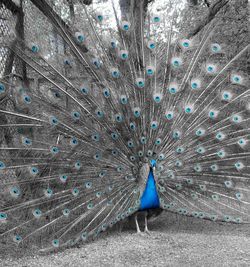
pixel 150 199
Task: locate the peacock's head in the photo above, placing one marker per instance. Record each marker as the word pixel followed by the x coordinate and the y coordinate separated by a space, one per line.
pixel 153 163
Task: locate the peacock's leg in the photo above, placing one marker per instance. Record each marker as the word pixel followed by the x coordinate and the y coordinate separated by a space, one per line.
pixel 146 223
pixel 137 225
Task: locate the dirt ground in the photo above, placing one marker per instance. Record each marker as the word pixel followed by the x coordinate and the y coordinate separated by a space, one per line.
pixel 174 241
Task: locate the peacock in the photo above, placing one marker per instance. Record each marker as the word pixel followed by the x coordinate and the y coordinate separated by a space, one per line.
pixel 133 116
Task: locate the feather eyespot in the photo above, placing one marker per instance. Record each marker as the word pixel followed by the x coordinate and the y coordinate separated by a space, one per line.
pixel 2 88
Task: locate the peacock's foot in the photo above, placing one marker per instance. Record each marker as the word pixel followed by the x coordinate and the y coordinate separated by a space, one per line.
pixel 147 232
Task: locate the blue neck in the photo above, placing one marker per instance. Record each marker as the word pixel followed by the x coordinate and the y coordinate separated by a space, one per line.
pixel 150 199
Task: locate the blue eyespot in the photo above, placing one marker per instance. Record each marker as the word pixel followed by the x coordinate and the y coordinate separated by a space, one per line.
pixel 221 153
pixel 239 196
pixel 98 194
pixel 161 156
pixel 220 136
pixel 236 118
pixel 78 165
pixel 54 150
pixel 99 114
pixel 202 187
pixel 53 120
pixel 198 168
pixel 169 115
pixel 124 54
pixel 178 163
pixel 48 192
pixel 119 117
pixel 73 141
pixel 84 89
pixel 238 220
pixel 37 213
pixel 156 19
pixel 215 197
pixel 80 37
pixel 3 216
pixel 143 140
pixel 63 178
pixel 95 137
pixel 125 25
pixel 55 243
pixel 195 84
pixel 176 134
pixel 56 94
pixel 227 218
pixel 239 165
pixel 90 206
pixel 179 149
pixel 140 83
pixel 2 88
pixel 158 141
pixel 106 92
pixel 185 43
pixel 151 45
pixel 75 115
pixel 113 43
pixel 226 96
pixel 99 17
pixel 211 68
pixel 188 109
pixel 137 112
pixel 34 170
pixel 97 63
pixel 35 48
pixel 102 173
pixel 97 156
pixel 115 73
pixel 67 62
pixel 114 136
pixel 130 143
pixel 242 142
pixel 228 184
pixel 132 126
pixel 66 212
pixel 176 62
pixel 214 167
pixel 15 192
pixel 157 98
pixel 149 153
pixel 178 186
pixel 201 150
pixel 236 79
pixel 17 238
pixel 140 153
pixel 84 236
pixel 75 192
pixel 200 132
pixel 88 185
pixel 26 99
pixel 173 88
pixel 154 125
pixel 26 141
pixel 150 70
pixel 190 181
pixel 216 48
pixel 123 99
pixel 213 114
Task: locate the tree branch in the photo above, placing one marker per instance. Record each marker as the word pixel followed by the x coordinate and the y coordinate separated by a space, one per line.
pixel 11 6
pixel 213 10
pixel 56 20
